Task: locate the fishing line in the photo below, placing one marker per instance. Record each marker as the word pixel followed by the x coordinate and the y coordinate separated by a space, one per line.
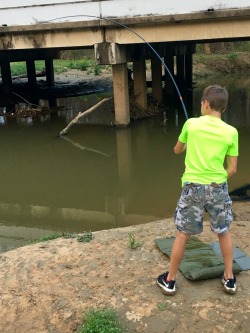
pixel 149 45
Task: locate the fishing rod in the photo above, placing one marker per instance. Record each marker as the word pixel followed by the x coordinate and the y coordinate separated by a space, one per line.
pixel 138 35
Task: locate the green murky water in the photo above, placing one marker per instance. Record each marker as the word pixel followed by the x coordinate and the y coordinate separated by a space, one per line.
pixel 99 177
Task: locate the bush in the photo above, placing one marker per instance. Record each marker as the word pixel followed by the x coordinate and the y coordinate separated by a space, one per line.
pixel 84 65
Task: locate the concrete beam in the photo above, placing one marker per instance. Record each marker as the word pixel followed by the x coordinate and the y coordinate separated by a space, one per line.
pixel 207 25
pixel 30 54
pixel 121 95
pixel 140 86
pixel 182 31
pixel 54 38
pixel 110 54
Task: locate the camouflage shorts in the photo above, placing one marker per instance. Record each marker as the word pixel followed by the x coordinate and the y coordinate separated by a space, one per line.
pixel 195 198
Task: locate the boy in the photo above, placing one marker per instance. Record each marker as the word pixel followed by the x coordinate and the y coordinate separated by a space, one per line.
pixel 209 142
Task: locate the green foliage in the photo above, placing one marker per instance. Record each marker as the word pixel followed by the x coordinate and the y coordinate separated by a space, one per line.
pixel 77 54
pixel 97 70
pixel 133 243
pixel 81 65
pixel 83 238
pixel 223 47
pixel 161 306
pixel 19 68
pixel 72 65
pixel 101 321
pixel 201 58
pixel 214 56
pixel 47 238
pixel 232 56
pixel 60 66
pixel 84 65
pixel 242 46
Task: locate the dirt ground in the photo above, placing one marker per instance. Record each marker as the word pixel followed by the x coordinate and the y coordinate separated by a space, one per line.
pixel 47 287
pixel 87 81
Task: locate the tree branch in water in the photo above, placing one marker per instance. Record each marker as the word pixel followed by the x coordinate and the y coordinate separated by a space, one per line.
pixel 82 114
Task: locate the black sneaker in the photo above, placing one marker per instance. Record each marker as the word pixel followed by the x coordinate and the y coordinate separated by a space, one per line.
pixel 167 288
pixel 229 285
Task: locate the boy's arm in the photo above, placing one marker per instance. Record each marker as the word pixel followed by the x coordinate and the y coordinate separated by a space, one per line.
pixel 180 147
pixel 231 165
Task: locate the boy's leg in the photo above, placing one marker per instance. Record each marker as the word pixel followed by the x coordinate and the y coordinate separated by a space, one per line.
pixel 226 246
pixel 177 254
pixel 166 281
pixel 188 221
pixel 220 209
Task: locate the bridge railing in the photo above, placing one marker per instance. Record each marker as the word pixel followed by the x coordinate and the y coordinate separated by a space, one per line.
pixel 29 12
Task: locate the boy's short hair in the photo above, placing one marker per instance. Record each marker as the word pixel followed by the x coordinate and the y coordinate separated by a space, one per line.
pixel 216 96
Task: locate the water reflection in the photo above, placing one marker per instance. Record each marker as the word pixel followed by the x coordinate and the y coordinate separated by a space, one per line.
pixel 98 177
pixel 78 145
pixel 2 115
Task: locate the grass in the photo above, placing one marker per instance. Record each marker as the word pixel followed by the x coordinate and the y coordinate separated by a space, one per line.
pixel 101 321
pixel 232 62
pixel 47 238
pixel 235 59
pixel 83 237
pixel 161 306
pixel 60 66
pixel 133 243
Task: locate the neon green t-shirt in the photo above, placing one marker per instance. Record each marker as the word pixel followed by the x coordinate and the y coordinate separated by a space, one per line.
pixel 209 140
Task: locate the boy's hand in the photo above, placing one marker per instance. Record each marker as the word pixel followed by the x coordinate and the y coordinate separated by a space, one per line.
pixel 231 168
pixel 180 147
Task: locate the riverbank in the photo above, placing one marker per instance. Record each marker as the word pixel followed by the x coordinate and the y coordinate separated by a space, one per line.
pixel 47 287
pixel 84 71
pixel 204 66
pixel 215 64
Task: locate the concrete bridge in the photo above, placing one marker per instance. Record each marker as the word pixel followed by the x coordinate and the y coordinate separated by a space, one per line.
pixel 119 31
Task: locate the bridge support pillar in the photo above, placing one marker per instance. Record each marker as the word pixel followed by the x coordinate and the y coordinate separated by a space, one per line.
pixel 180 65
pixel 140 85
pixel 156 68
pixel 49 69
pixel 115 55
pixel 189 70
pixel 189 79
pixel 169 87
pixel 121 95
pixel 6 77
pixel 31 73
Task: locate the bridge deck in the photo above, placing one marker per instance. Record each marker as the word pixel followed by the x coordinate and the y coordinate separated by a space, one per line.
pixel 30 12
pixel 38 29
pixel 202 26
